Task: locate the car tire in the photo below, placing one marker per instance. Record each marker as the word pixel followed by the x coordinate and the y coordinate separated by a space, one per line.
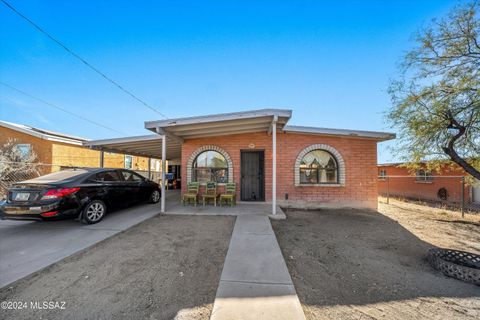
pixel 94 212
pixel 155 196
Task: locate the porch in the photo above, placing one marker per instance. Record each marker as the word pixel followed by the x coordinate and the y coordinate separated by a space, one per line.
pixel 168 144
pixel 174 206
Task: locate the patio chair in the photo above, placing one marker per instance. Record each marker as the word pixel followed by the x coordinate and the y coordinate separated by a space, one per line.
pixel 210 193
pixel 230 194
pixel 191 194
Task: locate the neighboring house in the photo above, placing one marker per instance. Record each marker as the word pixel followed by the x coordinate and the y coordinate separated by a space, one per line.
pixel 314 166
pixel 58 150
pixel 444 184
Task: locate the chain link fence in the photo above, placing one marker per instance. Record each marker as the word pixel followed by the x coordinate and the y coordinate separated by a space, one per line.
pixel 450 192
pixel 14 172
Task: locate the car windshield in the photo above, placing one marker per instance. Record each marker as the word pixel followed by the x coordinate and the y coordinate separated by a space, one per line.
pixel 64 175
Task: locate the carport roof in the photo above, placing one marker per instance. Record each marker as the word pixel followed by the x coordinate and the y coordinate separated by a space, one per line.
pixel 144 146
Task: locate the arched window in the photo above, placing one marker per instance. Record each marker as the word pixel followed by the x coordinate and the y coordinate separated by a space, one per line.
pixel 210 166
pixel 317 167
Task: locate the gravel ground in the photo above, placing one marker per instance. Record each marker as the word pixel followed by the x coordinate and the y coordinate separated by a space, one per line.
pixel 354 264
pixel 167 267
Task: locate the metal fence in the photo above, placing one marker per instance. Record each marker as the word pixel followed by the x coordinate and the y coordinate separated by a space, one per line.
pixel 451 192
pixel 14 172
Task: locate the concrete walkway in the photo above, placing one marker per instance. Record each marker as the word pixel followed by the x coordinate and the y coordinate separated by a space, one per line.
pixel 255 283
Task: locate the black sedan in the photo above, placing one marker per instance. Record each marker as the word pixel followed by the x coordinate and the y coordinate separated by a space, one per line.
pixel 77 193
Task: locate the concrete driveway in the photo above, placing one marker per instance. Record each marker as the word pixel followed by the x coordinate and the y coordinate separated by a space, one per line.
pixel 28 246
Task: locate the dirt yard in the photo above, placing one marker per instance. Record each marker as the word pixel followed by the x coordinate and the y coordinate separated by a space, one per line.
pixel 353 264
pixel 167 267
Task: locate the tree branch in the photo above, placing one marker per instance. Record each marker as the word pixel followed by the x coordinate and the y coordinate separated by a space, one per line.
pixel 450 148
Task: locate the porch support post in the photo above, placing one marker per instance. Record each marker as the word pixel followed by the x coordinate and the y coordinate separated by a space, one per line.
pixel 164 159
pixel 274 165
pixel 102 158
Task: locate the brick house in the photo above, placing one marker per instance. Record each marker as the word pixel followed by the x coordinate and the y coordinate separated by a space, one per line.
pixel 444 184
pixel 268 160
pixel 58 150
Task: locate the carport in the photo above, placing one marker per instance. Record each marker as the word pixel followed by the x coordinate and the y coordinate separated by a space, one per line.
pixel 149 146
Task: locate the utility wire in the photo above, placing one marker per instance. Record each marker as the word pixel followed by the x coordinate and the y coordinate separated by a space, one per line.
pixel 82 60
pixel 60 108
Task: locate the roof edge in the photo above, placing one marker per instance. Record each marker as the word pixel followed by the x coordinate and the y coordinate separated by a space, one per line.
pixel 43 134
pixel 149 137
pixel 377 135
pixel 286 113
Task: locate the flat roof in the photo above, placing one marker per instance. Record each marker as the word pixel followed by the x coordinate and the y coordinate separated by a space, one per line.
pixel 221 124
pixel 179 129
pixel 248 121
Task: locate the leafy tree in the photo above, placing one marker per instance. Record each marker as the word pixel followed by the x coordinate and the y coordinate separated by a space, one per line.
pixel 436 100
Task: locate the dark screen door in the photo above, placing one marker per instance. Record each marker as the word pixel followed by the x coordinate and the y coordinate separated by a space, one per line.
pixel 252 171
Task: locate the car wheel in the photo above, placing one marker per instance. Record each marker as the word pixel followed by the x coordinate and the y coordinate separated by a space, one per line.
pixel 94 212
pixel 155 196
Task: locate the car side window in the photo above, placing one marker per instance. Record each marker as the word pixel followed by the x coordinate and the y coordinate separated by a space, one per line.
pixel 91 178
pixel 107 176
pixel 132 176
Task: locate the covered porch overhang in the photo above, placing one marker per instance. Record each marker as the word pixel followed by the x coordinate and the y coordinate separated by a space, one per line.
pixel 264 120
pixel 166 144
pixel 221 124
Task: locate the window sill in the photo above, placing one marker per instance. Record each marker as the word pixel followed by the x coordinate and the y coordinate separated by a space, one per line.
pixel 336 185
pixel 424 182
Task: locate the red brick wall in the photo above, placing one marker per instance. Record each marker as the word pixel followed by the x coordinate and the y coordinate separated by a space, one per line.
pixel 408 187
pixel 360 156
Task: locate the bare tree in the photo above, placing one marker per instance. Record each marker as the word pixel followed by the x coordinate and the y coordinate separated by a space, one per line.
pixel 14 162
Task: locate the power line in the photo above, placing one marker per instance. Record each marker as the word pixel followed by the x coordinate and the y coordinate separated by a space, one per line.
pixel 60 108
pixel 82 60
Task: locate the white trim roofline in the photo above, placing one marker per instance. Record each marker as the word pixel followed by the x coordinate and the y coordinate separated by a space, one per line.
pixel 381 136
pixel 43 134
pixel 152 125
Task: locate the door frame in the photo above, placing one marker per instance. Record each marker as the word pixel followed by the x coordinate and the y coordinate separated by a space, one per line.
pixel 262 183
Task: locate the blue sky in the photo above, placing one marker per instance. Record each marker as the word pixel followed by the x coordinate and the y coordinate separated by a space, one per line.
pixel 329 61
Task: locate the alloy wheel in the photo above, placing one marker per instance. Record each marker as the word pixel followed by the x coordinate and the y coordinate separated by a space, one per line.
pixel 155 196
pixel 95 211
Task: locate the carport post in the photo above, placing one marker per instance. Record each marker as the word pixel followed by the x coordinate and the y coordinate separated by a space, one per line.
pixel 149 168
pixel 164 158
pixel 102 158
pixel 274 165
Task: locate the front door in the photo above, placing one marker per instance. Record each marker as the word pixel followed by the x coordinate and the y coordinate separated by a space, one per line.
pixel 252 172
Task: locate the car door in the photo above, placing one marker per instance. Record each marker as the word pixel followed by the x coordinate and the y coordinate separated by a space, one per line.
pixel 134 185
pixel 112 184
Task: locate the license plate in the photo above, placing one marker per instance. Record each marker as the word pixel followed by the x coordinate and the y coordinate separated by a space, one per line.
pixel 22 196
